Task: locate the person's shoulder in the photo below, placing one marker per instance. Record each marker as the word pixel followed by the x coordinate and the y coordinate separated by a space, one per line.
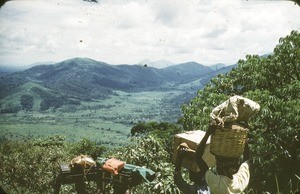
pixel 244 165
pixel 211 177
pixel 244 170
pixel 211 172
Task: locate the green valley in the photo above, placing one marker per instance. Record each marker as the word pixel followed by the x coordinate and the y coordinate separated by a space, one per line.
pixel 83 98
pixel 107 122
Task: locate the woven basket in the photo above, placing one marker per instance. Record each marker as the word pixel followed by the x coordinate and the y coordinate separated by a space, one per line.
pixel 229 142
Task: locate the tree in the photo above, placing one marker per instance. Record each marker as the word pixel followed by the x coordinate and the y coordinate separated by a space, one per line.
pixel 27 102
pixel 31 166
pixel 274 82
pixel 150 153
pixel 162 131
pixel 87 147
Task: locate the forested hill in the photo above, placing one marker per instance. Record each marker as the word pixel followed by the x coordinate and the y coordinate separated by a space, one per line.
pixel 83 79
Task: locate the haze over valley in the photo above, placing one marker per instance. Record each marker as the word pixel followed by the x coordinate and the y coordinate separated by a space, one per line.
pixel 84 98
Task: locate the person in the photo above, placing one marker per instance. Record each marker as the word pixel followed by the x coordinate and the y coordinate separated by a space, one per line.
pixel 236 109
pixel 228 177
pixel 199 185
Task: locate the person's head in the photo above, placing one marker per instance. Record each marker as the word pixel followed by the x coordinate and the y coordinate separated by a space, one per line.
pixel 227 166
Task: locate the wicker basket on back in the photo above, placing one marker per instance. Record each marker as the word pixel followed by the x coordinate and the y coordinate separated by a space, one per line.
pixel 229 141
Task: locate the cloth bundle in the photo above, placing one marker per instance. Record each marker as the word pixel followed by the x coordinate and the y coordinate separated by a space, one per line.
pixel 236 108
pixel 111 165
pixel 115 166
pixel 83 161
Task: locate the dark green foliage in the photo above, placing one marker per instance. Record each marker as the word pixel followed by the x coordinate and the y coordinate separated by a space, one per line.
pixel 274 83
pixel 52 99
pixel 49 99
pixel 27 102
pixel 87 147
pixel 163 131
pixel 9 83
pixel 151 153
pixel 32 166
pixel 11 109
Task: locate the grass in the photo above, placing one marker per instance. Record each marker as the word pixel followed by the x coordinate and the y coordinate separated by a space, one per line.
pixel 108 122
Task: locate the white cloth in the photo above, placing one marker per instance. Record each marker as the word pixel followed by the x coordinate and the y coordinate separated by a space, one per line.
pixel 233 110
pixel 220 184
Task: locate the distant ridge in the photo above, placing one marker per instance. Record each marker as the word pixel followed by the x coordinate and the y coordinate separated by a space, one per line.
pixel 217 66
pixel 157 64
pixel 185 72
pixel 83 79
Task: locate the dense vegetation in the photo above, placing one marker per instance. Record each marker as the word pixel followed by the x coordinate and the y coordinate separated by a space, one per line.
pixel 31 166
pixel 74 81
pixel 273 81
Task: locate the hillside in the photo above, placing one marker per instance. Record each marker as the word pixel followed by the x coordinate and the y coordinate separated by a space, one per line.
pixel 185 72
pixel 80 79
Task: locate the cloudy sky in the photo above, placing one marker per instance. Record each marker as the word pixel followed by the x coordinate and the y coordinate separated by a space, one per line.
pixel 130 31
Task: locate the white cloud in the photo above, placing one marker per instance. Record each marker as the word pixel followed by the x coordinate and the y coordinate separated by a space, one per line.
pixel 129 31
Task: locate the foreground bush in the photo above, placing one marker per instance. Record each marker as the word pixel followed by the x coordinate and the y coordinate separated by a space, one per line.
pixel 30 166
pixel 274 82
pixel 149 152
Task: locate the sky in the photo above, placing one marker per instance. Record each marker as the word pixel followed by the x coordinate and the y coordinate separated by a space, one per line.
pixel 130 31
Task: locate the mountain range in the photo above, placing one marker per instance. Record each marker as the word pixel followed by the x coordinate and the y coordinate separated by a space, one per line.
pixel 82 79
